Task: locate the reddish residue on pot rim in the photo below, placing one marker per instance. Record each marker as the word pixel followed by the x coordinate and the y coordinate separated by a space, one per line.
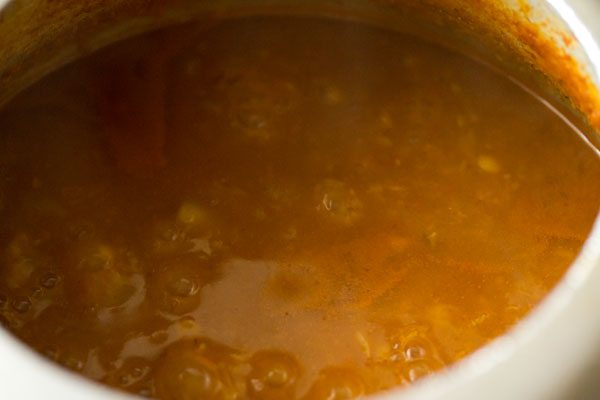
pixel 33 32
pixel 513 32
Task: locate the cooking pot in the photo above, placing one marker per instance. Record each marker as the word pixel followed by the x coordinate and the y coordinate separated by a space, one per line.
pixel 552 353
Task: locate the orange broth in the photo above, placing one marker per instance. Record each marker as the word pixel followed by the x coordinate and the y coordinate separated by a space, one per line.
pixel 273 208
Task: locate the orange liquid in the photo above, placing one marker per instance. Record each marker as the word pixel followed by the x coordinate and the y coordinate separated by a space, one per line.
pixel 281 208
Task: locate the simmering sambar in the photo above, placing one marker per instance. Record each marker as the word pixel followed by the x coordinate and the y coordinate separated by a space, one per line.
pixel 254 209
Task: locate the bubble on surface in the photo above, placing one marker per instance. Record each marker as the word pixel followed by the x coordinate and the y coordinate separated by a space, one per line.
pixel 49 280
pixel 175 287
pixel 197 369
pixel 134 373
pixel 273 375
pixel 414 352
pixel 337 383
pixel 418 370
pixel 21 304
pixel 169 238
pixel 413 343
pixel 183 287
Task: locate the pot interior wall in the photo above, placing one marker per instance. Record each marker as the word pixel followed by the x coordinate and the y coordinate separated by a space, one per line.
pixel 527 40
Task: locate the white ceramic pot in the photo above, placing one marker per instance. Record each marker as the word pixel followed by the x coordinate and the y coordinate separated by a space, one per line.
pixel 553 353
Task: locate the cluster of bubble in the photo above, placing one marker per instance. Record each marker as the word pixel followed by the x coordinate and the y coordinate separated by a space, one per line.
pixel 25 277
